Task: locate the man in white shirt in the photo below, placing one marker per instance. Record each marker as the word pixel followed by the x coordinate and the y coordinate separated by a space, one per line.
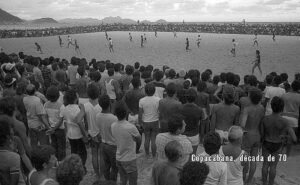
pixel 126 136
pixel 271 92
pixel 148 117
pixel 217 170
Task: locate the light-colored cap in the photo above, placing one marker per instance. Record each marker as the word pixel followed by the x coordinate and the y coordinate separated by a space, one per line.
pixel 182 73
pixel 235 132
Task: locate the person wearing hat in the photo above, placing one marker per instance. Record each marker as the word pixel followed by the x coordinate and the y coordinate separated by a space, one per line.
pixel 9 86
pixel 234 150
pixel 225 114
pixel 36 117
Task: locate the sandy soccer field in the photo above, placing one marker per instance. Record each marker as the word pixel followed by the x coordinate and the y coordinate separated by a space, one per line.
pixel 214 52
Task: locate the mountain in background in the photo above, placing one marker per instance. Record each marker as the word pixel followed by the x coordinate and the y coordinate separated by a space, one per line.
pixel 80 21
pixel 161 21
pixel 7 18
pixel 146 22
pixel 118 19
pixel 44 21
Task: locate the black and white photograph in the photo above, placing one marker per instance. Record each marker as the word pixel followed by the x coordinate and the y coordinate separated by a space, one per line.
pixel 149 92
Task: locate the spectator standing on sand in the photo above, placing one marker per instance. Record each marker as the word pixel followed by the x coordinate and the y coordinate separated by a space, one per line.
pixel 159 85
pixel 251 118
pixel 72 71
pixel 149 118
pixel 112 88
pixel 167 172
pixel 105 119
pixel 81 85
pixel 168 106
pixel 217 170
pixel 88 112
pixel 192 116
pixel 233 150
pixel 273 129
pixel 271 92
pixel 194 173
pixel 36 117
pixel 176 127
pixel 126 136
pixel 225 114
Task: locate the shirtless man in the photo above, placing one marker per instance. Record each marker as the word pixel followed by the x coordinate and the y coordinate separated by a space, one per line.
pixel 142 41
pixel 111 47
pixel 198 41
pixel 251 117
pixel 38 48
pixel 273 129
pixel 69 41
pixel 255 40
pixel 60 41
pixel 77 47
pixel 225 114
pixel 233 47
pixel 187 45
pixel 130 37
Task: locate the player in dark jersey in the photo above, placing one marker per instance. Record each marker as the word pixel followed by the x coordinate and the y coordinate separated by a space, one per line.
pixel 257 63
pixel 77 47
pixel 38 48
pixel 155 33
pixel 145 38
pixel 130 37
pixel 198 41
pixel 233 47
pixel 106 35
pixel 60 41
pixel 274 35
pixel 187 45
pixel 142 41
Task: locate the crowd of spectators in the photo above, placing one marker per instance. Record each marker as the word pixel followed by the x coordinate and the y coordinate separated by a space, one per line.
pixel 186 115
pixel 288 29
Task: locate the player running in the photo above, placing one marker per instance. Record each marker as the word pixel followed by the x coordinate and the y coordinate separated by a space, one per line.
pixel 274 35
pixel 110 45
pixel 130 37
pixel 233 47
pixel 38 48
pixel 257 63
pixel 69 41
pixel 198 41
pixel 187 45
pixel 174 33
pixel 77 47
pixel 106 35
pixel 60 41
pixel 155 33
pixel 255 40
pixel 145 38
pixel 142 41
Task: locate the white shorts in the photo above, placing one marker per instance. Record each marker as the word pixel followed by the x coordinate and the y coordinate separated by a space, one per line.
pixel 194 140
pixel 293 122
pixel 133 119
pixel 223 134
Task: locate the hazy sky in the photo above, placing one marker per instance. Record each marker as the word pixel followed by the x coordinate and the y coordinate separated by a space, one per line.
pixel 170 10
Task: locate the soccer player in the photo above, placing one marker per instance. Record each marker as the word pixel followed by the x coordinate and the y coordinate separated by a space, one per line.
pixel 142 41
pixel 174 34
pixel 187 45
pixel 255 39
pixel 257 62
pixel 274 35
pixel 69 41
pixel 106 35
pixel 130 37
pixel 110 45
pixel 145 38
pixel 198 41
pixel 155 33
pixel 77 47
pixel 233 47
pixel 60 41
pixel 38 48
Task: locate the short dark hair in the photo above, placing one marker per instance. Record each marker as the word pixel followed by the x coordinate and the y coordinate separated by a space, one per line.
pixel 136 82
pixel 284 77
pixel 277 104
pixel 175 122
pixel 194 173
pixel 136 74
pixel 120 111
pixel 136 65
pixel 93 91
pixel 205 76
pixel 277 80
pixel 172 73
pixel 5 126
pixel 255 95
pixel 41 154
pixel 201 86
pixel 223 77
pixel 95 76
pixel 216 79
pixel 230 78
pixel 129 70
pixel 171 89
pixel 212 143
pixel 149 89
pixel 146 74
pixel 172 150
pixel 81 70
pixel 70 97
pixel 110 71
pixel 104 101
pixel 7 106
pixel 262 86
pixel 237 80
pixel 191 95
pixel 269 79
pixel 158 75
pixel 296 85
pixel 52 94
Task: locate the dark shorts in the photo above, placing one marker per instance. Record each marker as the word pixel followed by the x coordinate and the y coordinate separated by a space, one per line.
pixel 94 141
pixel 251 141
pixel 270 148
pixel 151 127
pixel 127 166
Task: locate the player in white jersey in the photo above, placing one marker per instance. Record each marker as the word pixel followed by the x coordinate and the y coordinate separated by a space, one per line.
pixel 198 41
pixel 69 41
pixel 255 40
pixel 233 47
pixel 110 45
